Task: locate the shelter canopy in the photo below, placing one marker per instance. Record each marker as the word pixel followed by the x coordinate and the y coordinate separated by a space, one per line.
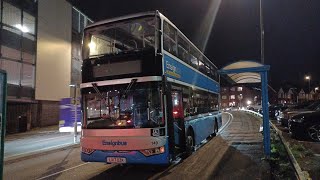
pixel 244 77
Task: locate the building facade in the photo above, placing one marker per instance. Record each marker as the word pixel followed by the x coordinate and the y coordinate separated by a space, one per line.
pixel 239 96
pixel 40 46
pixel 297 95
pixel 287 95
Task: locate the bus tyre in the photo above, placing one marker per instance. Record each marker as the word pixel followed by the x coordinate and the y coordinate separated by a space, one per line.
pixel 215 128
pixel 190 144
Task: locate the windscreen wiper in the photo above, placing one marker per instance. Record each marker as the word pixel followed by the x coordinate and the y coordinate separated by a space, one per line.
pixel 129 87
pixel 97 56
pixel 95 87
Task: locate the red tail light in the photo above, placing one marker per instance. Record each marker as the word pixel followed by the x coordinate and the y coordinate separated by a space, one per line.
pixel 154 151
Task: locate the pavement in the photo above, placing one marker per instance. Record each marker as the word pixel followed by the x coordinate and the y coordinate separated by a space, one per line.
pixel 244 158
pixel 34 131
pixel 35 141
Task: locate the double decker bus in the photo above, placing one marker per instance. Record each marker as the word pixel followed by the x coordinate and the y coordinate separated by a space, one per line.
pixel 148 94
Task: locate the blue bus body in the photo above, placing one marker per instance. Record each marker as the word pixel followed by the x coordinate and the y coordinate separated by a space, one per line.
pixel 184 73
pixel 201 124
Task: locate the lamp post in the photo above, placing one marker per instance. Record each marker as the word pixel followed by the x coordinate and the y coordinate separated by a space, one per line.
pixel 261 33
pixel 75 112
pixel 240 98
pixel 308 78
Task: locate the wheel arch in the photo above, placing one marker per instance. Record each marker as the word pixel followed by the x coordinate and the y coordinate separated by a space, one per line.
pixel 190 131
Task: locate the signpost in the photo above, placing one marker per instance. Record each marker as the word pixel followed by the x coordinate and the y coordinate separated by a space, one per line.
pixel 3 108
pixel 75 103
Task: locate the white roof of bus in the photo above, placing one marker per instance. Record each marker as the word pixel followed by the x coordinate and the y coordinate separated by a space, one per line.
pixel 154 13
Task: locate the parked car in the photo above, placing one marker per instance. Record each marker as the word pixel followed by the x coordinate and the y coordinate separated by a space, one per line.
pixel 305 125
pixel 290 112
pixel 255 107
pixel 275 109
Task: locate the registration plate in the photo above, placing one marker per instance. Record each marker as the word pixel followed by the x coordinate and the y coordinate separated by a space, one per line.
pixel 118 160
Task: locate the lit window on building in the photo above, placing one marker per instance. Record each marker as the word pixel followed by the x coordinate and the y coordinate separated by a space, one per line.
pixel 18 47
pixel 223 97
pixel 232 104
pixel 239 88
pixel 79 22
pixel 232 97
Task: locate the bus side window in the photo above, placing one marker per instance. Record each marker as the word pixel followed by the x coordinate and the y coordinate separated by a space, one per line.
pixel 194 58
pixel 213 102
pixel 166 43
pixel 183 49
pixel 202 66
pixel 200 103
pixel 208 71
pixel 170 39
pixel 186 107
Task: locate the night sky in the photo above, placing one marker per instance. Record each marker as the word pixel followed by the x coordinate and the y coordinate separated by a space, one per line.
pixel 292 31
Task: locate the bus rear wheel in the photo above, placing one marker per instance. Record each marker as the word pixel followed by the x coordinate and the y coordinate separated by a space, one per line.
pixel 215 128
pixel 190 144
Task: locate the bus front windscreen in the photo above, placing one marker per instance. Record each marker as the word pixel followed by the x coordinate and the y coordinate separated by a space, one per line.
pixel 117 37
pixel 139 108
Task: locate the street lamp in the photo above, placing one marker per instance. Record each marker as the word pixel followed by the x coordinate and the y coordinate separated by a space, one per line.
pixel 308 78
pixel 240 98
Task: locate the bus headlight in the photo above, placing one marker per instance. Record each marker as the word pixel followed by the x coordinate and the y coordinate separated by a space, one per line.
pixel 87 150
pixel 153 151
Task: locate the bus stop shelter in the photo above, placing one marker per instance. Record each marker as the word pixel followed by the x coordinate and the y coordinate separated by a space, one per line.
pixel 253 72
pixel 3 108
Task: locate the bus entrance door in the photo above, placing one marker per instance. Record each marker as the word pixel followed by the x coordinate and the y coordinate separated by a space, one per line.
pixel 178 116
pixel 174 118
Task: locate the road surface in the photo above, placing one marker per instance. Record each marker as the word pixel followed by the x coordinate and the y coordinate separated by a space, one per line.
pixel 66 164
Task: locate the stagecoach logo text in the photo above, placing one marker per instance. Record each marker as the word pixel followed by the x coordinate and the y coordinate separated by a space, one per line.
pixel 172 70
pixel 114 143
